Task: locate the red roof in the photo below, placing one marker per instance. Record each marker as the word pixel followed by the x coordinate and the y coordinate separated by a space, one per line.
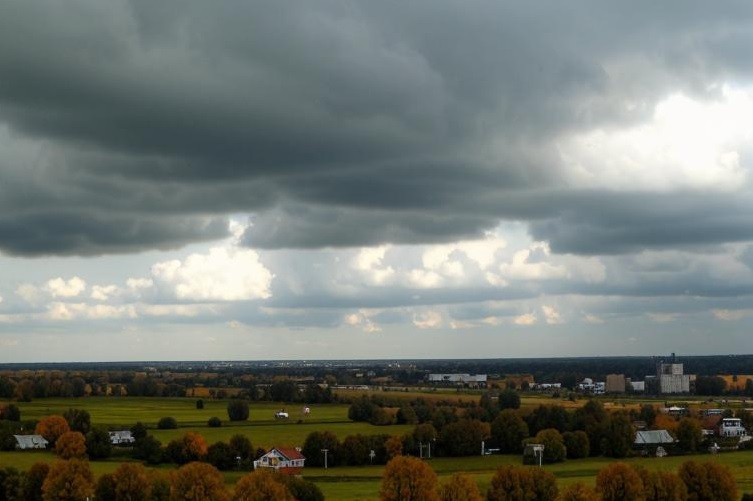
pixel 289 453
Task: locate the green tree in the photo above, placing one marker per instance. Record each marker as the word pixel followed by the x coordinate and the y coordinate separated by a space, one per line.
pixel 508 431
pixel 98 445
pixel 78 420
pixel 689 434
pixel 554 445
pixel 509 399
pixel 302 489
pixel 315 442
pixel 463 438
pixel 167 423
pixel 576 443
pixel 221 456
pixel 619 436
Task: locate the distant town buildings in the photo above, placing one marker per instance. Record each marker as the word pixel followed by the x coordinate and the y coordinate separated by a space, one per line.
pixel 615 383
pixel 467 380
pixel 670 377
pixel 589 386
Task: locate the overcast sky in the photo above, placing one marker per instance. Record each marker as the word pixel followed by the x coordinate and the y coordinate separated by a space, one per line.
pixel 374 179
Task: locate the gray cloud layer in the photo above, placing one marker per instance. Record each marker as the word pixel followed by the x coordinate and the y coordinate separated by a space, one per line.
pixel 134 125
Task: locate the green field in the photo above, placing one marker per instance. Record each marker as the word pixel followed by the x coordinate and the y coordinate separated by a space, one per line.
pixel 262 428
pixel 340 483
pixel 348 483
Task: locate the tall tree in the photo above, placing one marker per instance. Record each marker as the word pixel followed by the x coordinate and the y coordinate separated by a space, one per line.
pixel 70 480
pixel 261 485
pixel 408 479
pixel 508 430
pixel 460 487
pixel 52 427
pixel 619 482
pixel 198 482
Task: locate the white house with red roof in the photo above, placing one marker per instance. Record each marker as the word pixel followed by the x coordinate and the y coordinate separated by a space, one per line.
pixel 282 459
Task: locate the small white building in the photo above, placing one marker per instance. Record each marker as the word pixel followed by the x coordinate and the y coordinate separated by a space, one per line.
pixel 27 442
pixel 122 437
pixel 731 427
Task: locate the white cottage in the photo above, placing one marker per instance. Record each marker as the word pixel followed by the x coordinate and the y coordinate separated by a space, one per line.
pixel 285 460
pixel 123 437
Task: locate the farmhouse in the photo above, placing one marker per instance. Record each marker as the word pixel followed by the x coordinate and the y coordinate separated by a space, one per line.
pixel 652 440
pixel 731 427
pixel 26 442
pixel 123 437
pixel 285 460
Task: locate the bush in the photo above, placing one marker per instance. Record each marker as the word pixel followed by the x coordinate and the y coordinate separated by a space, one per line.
pixel 460 487
pixel 167 423
pixel 214 422
pixel 578 492
pixel 237 410
pixel 199 404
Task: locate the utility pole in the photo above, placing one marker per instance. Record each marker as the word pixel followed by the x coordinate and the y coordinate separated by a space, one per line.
pixel 325 457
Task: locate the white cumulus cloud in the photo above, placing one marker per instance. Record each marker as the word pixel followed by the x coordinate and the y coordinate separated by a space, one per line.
pixel 223 274
pixel 58 287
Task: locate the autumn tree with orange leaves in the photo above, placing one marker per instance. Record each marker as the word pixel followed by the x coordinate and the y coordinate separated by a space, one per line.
pixel 522 483
pixel 460 487
pixel 578 492
pixel 70 480
pixel 52 427
pixel 132 483
pixel 71 444
pixel 198 482
pixel 261 485
pixel 619 482
pixel 708 481
pixel 408 479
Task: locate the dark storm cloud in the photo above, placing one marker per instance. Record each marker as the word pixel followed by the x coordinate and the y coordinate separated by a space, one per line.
pixel 342 124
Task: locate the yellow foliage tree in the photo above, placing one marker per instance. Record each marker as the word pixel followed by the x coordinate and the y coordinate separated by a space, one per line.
pixel 619 482
pixel 460 487
pixel 394 446
pixel 198 482
pixel 261 485
pixel 408 479
pixel 132 483
pixel 577 492
pixel 51 427
pixel 71 444
pixel 70 480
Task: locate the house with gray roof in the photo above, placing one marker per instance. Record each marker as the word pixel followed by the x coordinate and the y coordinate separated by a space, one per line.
pixel 28 442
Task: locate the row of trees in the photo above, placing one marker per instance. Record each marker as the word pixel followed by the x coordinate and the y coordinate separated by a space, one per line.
pixel 138 385
pixel 73 480
pixel 408 479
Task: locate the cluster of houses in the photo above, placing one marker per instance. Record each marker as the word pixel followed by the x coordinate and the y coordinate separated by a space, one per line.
pixel 28 442
pixel 281 459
